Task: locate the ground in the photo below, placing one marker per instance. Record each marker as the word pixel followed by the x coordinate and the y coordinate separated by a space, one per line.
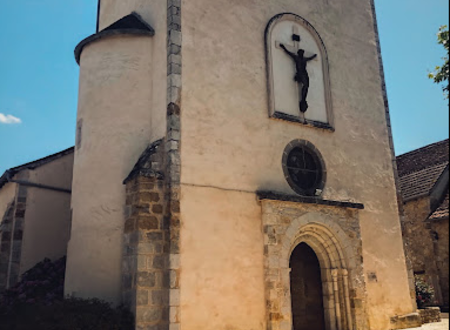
pixel 444 325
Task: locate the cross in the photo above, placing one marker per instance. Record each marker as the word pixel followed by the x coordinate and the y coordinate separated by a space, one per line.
pixel 301 77
pixel 295 38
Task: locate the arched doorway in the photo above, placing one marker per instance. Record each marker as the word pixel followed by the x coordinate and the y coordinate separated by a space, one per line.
pixel 306 290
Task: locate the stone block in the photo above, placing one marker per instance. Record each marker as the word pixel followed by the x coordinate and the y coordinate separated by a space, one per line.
pixel 148 315
pixel 163 279
pixel 160 297
pixel 146 279
pixel 159 262
pixel 430 315
pixel 406 321
pixel 174 297
pixel 174 326
pixel 147 222
pixel 142 297
pixel 157 209
pixel 155 236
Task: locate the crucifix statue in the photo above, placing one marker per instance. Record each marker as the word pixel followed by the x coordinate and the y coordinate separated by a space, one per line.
pixel 301 76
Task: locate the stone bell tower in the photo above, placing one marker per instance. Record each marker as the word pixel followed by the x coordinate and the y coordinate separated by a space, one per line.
pixel 234 168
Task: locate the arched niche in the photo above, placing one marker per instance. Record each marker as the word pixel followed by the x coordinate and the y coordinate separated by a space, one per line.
pixel 284 92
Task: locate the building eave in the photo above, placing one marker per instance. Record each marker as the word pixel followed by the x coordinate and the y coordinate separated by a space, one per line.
pixel 132 24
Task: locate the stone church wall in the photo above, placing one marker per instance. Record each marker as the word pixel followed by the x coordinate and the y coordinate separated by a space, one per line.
pixel 231 148
pixel 35 224
pixel 48 216
pixel 214 71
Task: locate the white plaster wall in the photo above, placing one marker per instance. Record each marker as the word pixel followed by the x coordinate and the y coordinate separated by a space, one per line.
pixel 57 173
pixel 222 284
pixel 154 12
pixel 115 106
pixel 229 142
pixel 7 195
pixel 47 215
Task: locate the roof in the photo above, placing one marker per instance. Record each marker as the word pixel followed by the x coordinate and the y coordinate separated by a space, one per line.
pixel 420 170
pixel 33 165
pixel 442 211
pixel 423 158
pixel 132 24
pixel 149 158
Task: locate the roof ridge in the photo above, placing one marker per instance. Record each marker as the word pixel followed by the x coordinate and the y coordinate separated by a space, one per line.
pixel 34 164
pixel 424 147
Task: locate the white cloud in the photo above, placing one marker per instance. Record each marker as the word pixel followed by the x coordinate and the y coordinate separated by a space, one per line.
pixel 9 119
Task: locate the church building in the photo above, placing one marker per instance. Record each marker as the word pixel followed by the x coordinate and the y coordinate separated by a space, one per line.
pixel 234 168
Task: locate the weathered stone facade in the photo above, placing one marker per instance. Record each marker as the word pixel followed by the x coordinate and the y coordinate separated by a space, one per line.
pixel 419 243
pixel 7 244
pixel 12 227
pixel 440 235
pixel 146 277
pixel 424 179
pixel 335 236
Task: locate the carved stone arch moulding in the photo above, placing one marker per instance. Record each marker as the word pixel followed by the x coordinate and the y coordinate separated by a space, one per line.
pixel 334 236
pixel 285 35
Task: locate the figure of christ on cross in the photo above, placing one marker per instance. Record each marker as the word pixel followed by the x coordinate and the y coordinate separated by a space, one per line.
pixel 301 76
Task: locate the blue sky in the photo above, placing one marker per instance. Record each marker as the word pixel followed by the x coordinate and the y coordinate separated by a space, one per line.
pixel 39 76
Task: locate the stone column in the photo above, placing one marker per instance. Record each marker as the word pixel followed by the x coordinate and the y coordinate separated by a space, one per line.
pixel 145 274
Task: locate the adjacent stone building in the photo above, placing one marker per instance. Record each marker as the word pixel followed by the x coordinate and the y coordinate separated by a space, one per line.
pixel 34 214
pixel 424 180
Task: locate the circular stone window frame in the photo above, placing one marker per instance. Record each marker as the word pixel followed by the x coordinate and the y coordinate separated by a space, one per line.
pixel 311 148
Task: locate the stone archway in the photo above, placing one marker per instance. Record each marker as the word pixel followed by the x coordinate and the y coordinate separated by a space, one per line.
pixel 334 236
pixel 334 274
pixel 306 290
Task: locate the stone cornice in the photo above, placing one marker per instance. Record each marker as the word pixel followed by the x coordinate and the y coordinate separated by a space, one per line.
pixel 273 196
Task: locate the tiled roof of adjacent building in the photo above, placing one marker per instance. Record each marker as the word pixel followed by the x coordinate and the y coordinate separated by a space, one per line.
pixel 423 158
pixel 419 170
pixel 442 211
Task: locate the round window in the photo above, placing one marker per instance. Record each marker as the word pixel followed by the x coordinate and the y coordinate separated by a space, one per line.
pixel 304 168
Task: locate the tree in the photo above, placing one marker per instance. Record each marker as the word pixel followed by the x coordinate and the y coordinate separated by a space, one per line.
pixel 441 75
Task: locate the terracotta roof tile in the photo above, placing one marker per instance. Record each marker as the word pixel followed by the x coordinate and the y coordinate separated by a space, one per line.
pixel 421 182
pixel 420 169
pixel 423 158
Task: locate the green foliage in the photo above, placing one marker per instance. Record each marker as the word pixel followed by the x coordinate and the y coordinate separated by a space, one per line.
pixel 441 74
pixel 37 302
pixel 43 284
pixel 69 314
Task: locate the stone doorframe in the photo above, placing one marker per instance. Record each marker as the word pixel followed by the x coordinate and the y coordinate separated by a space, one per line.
pixel 335 283
pixel 334 235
